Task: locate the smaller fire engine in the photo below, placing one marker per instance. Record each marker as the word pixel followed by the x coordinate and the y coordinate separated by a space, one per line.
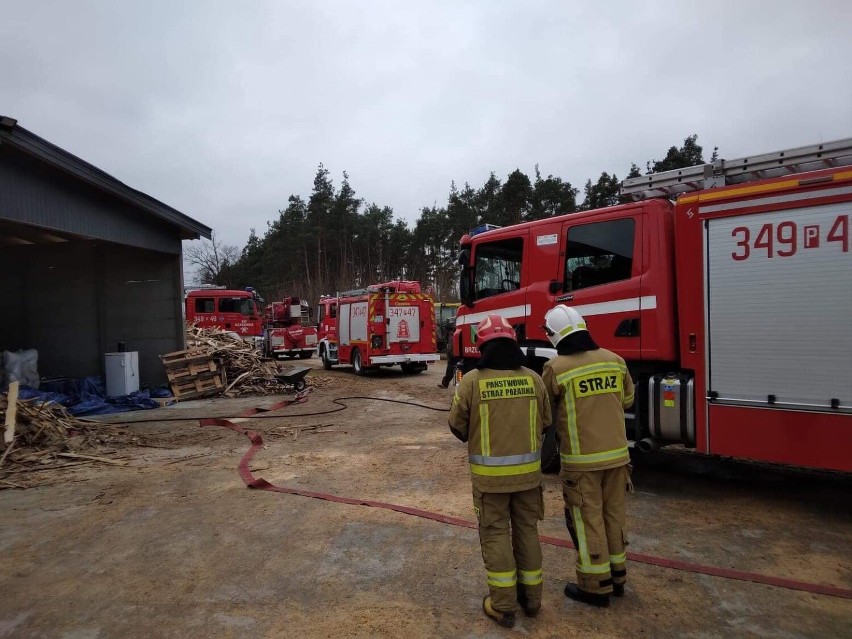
pixel 226 309
pixel 381 325
pixel 289 331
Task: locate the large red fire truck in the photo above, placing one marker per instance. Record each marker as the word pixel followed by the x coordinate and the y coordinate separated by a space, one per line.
pixel 230 310
pixel 289 331
pixel 732 306
pixel 381 325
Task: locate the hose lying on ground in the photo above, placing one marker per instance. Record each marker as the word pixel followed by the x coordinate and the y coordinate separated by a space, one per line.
pixel 256 413
pixel 261 484
pixel 675 564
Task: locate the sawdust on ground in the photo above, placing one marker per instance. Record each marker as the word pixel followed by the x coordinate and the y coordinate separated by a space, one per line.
pixel 174 545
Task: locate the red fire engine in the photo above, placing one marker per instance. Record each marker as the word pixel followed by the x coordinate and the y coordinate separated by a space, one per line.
pixel 731 306
pixel 230 310
pixel 381 325
pixel 289 331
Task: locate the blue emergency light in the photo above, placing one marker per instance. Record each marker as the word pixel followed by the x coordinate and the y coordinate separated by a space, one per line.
pixel 482 228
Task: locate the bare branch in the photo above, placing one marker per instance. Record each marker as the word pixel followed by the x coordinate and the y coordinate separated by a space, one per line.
pixel 209 257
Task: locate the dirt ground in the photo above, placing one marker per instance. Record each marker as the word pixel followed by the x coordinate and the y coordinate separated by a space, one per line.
pixel 175 545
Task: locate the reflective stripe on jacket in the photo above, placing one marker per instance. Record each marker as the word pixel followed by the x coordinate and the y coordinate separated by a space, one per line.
pixel 502 414
pixel 590 391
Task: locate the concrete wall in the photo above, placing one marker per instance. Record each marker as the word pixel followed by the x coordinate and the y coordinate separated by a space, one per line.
pixel 73 301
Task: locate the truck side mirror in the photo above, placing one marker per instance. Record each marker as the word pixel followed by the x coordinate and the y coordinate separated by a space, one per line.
pixel 465 280
pixel 465 288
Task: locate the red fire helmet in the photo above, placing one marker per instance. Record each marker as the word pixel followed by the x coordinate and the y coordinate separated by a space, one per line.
pixel 494 327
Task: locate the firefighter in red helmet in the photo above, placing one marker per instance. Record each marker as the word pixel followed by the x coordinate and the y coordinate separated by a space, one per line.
pixel 500 409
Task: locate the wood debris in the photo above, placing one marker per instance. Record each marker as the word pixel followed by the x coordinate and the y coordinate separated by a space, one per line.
pixel 11 413
pixel 45 433
pixel 103 460
pixel 243 368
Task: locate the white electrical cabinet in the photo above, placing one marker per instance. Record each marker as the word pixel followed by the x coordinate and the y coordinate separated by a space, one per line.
pixel 122 373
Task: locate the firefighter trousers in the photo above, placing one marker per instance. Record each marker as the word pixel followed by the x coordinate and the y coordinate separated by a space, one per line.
pixel 595 517
pixel 512 557
pixel 451 369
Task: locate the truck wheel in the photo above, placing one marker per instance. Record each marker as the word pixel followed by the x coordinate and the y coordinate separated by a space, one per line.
pixel 326 363
pixel 304 355
pixel 412 369
pixel 549 451
pixel 357 364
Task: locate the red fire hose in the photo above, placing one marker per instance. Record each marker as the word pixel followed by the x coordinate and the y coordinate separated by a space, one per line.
pixel 259 483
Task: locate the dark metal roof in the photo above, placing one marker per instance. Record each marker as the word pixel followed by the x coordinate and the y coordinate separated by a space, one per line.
pixel 18 137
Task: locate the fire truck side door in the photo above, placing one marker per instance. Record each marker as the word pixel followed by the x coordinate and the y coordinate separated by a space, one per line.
pixel 357 323
pixel 344 324
pixel 327 319
pixel 601 277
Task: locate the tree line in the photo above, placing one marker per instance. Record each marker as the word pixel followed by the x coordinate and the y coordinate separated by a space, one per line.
pixel 335 241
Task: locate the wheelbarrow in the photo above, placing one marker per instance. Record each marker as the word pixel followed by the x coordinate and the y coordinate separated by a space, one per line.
pixel 294 377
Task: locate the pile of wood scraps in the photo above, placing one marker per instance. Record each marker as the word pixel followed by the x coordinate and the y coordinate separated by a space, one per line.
pixel 243 369
pixel 44 436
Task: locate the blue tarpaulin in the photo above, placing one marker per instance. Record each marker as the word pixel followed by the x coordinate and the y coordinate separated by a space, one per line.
pixel 87 396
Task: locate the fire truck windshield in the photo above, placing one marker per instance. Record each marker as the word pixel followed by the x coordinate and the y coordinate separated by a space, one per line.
pixel 242 305
pixel 497 267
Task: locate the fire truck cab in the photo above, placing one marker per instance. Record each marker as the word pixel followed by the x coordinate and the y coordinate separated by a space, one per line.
pixel 225 309
pixel 731 306
pixel 614 264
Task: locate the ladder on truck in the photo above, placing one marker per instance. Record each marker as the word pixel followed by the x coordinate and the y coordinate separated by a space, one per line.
pixel 355 292
pixel 747 169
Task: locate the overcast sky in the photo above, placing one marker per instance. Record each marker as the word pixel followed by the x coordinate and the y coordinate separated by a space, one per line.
pixel 223 109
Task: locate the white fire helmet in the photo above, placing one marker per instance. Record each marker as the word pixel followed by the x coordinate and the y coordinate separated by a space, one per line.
pixel 561 321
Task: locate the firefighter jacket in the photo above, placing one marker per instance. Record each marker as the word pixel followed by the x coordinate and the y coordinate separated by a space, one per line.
pixel 501 415
pixel 590 391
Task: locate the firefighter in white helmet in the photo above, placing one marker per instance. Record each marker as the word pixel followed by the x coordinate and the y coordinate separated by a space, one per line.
pixel 590 388
pixel 500 410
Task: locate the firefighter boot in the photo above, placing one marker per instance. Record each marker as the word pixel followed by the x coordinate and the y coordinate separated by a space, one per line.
pixel 505 619
pixel 572 591
pixel 523 602
pixel 618 590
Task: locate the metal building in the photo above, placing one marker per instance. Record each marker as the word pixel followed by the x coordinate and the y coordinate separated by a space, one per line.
pixel 85 262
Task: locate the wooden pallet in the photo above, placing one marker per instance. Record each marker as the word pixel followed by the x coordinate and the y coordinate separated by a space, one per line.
pixel 180 358
pixel 194 369
pixel 192 374
pixel 196 387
